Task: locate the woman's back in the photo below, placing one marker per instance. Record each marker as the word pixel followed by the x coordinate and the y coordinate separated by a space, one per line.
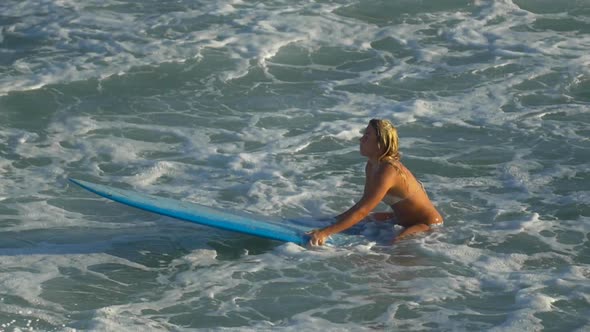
pixel 413 205
pixel 408 197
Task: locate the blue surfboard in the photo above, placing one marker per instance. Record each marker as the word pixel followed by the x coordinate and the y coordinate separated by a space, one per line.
pixel 200 214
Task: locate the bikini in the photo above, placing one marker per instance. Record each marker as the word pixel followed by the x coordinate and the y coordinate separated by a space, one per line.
pixel 392 200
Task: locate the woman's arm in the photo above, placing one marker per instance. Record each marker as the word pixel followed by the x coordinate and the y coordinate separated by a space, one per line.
pixel 375 189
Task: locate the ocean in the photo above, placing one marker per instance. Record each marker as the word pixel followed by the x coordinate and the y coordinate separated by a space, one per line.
pixel 256 106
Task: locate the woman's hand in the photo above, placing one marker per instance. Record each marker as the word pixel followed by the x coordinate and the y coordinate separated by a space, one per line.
pixel 317 237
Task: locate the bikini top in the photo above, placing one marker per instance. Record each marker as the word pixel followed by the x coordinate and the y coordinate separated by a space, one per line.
pixel 392 200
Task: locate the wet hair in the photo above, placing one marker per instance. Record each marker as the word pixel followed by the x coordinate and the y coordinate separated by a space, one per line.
pixel 387 139
pixel 388 142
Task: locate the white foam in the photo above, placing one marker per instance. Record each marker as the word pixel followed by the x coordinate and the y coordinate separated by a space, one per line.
pixel 151 175
pixel 197 258
pixel 115 318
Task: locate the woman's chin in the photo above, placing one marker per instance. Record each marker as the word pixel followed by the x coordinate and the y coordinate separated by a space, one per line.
pixel 364 153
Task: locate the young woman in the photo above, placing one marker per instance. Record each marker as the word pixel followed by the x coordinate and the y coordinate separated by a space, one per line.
pixel 387 180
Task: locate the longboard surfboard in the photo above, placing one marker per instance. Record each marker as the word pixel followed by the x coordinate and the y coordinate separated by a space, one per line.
pixel 200 214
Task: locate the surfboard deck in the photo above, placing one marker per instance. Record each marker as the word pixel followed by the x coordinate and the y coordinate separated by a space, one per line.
pixel 200 214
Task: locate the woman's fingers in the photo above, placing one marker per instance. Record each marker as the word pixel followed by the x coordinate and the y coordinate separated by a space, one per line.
pixel 315 237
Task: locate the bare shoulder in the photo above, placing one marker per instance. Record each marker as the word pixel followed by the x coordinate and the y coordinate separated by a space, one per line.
pixel 388 167
pixel 386 170
pixel 395 173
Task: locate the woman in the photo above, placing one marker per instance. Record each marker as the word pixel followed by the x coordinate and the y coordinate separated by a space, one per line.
pixel 387 180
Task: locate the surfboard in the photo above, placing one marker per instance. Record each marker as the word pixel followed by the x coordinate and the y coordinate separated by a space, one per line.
pixel 200 214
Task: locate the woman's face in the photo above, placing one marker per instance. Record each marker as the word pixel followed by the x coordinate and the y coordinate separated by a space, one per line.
pixel 368 143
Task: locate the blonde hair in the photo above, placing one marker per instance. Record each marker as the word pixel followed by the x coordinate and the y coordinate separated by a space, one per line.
pixel 388 141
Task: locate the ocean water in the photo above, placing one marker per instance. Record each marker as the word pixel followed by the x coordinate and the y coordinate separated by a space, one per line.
pixel 257 106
